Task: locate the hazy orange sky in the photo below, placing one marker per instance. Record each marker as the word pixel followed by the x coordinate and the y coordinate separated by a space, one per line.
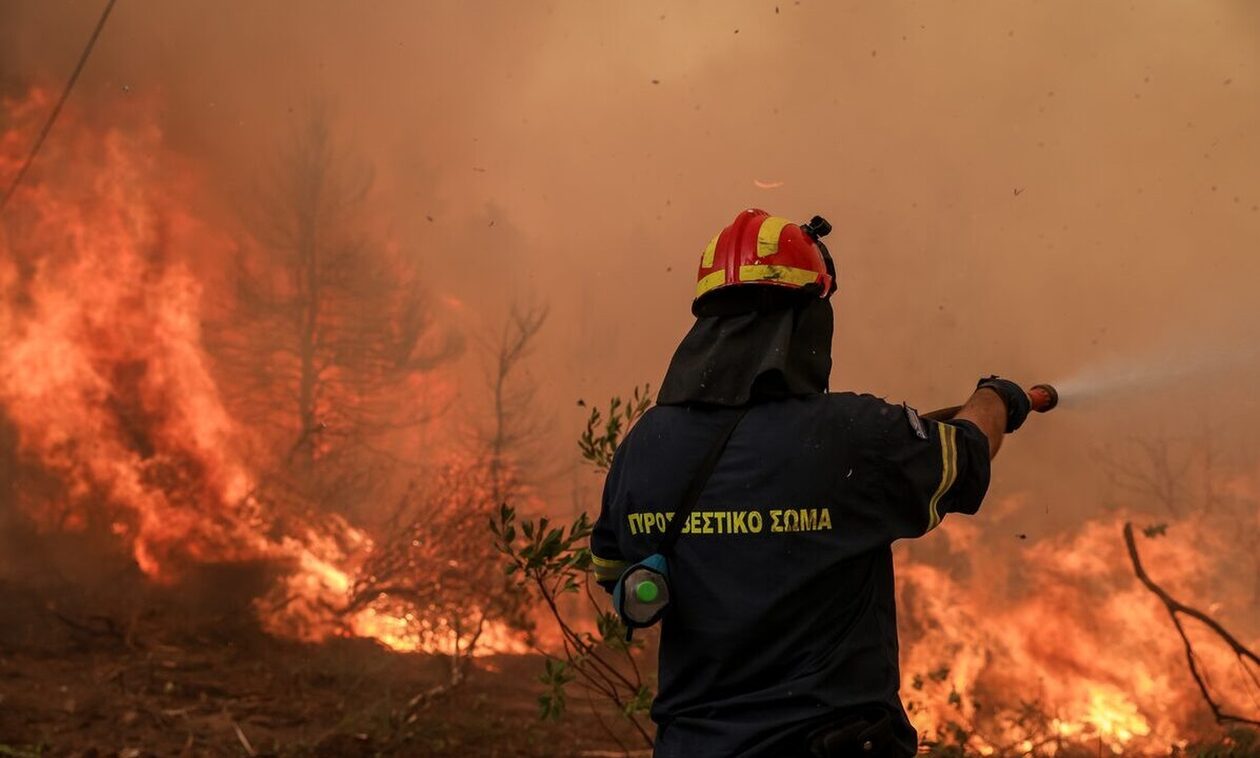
pixel 1027 188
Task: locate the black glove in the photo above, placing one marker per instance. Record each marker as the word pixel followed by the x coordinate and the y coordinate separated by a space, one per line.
pixel 1013 396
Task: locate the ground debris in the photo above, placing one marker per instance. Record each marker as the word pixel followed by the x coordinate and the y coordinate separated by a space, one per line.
pixel 178 692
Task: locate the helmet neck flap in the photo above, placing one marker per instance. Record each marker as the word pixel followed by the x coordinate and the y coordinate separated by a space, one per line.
pixel 752 344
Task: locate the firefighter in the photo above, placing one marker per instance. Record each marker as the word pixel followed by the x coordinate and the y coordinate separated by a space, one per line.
pixel 779 637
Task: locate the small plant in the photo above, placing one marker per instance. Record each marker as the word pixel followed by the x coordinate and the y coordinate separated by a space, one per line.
pixel 604 432
pixel 548 561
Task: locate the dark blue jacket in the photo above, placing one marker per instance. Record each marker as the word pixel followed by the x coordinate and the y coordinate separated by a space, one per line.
pixel 782 612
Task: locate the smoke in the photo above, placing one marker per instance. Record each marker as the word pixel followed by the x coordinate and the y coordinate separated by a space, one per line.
pixel 1007 186
pixel 1031 191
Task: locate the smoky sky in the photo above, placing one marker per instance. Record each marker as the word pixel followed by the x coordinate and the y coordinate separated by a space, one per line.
pixel 1027 188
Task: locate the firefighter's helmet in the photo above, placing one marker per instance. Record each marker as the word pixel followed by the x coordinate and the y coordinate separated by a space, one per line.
pixel 761 249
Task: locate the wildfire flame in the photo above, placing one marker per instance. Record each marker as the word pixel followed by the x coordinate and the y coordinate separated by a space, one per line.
pixel 1084 646
pixel 104 375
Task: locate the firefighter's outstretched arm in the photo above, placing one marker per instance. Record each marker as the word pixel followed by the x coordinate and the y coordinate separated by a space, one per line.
pixel 987 411
pixel 997 407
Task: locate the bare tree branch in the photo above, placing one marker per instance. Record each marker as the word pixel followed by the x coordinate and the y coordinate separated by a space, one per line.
pixel 1175 608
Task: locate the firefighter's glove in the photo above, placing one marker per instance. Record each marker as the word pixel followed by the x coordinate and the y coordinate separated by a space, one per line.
pixel 1013 396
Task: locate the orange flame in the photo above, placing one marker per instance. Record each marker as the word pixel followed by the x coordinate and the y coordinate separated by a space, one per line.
pixel 105 378
pixel 1082 641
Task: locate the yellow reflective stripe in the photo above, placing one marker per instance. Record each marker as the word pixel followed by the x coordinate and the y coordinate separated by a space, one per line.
pixel 759 272
pixel 949 470
pixel 607 562
pixel 709 281
pixel 786 274
pixel 768 235
pixel 606 569
pixel 707 260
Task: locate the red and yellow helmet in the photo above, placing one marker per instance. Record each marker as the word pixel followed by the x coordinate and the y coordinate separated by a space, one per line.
pixel 758 248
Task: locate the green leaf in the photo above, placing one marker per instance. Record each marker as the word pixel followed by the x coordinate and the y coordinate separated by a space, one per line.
pixel 640 703
pixel 551 706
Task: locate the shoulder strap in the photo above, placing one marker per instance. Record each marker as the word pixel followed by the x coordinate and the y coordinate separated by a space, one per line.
pixel 695 487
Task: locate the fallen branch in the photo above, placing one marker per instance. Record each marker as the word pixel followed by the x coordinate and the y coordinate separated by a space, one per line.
pixel 424 699
pixel 95 626
pixel 240 736
pixel 1174 608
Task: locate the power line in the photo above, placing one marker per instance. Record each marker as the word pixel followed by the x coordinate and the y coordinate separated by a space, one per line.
pixel 39 141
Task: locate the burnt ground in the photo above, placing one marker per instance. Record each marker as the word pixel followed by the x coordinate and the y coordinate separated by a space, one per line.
pixel 161 684
pixel 98 665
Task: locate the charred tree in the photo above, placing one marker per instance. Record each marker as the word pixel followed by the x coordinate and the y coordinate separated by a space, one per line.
pixel 513 428
pixel 329 332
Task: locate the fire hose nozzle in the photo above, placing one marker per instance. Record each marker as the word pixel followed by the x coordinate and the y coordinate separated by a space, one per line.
pixel 1043 397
